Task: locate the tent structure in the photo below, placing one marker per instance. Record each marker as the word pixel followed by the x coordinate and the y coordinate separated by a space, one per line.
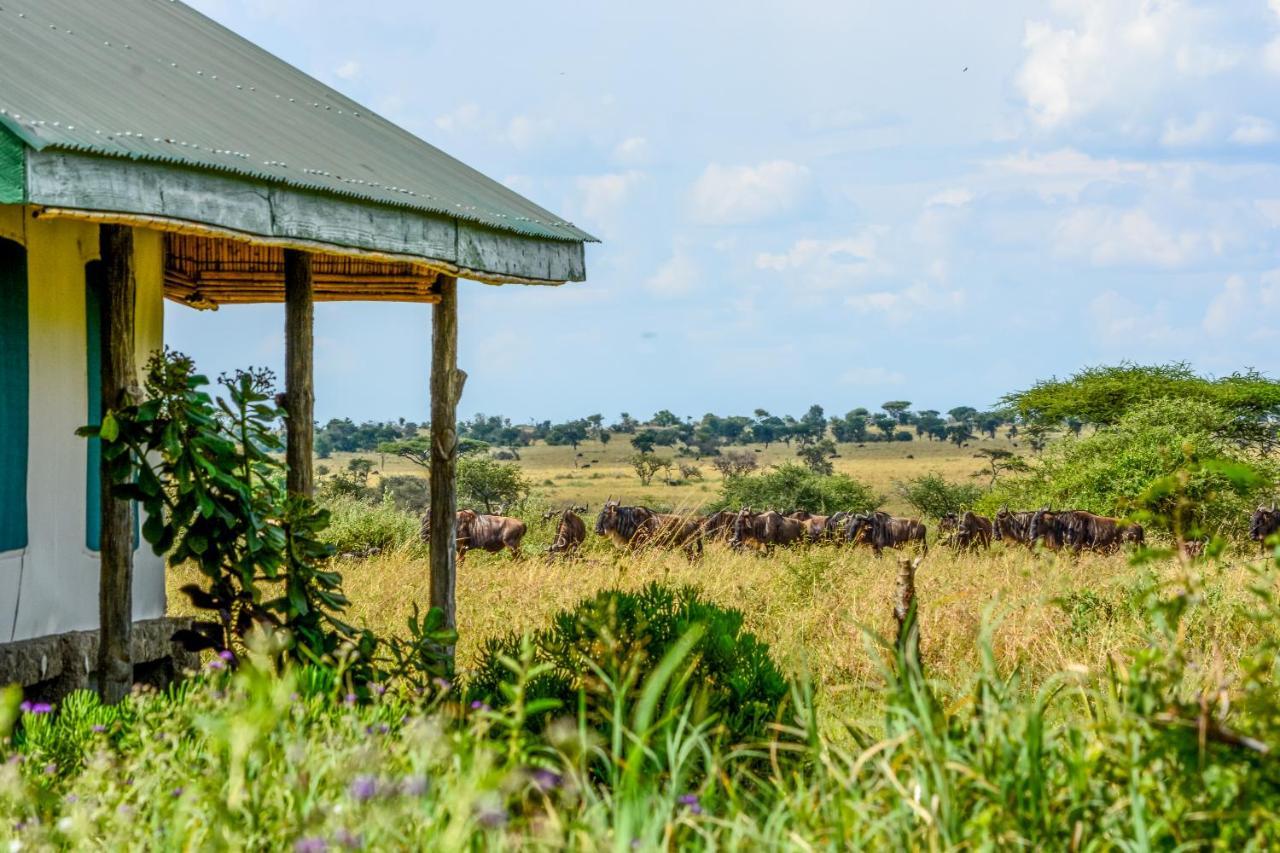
pixel 148 153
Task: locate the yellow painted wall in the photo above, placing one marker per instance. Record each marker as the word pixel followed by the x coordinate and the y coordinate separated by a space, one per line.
pixel 57 587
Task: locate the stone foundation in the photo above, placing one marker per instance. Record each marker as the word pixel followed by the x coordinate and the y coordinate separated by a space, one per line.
pixel 49 668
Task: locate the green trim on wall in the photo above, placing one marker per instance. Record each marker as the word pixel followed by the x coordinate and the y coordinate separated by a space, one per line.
pixel 15 392
pixel 94 283
pixel 13 169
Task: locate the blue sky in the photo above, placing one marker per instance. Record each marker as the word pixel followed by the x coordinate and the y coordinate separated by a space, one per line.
pixel 812 201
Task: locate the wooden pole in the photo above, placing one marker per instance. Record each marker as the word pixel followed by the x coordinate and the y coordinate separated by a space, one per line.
pixel 115 585
pixel 299 349
pixel 446 389
pixel 905 595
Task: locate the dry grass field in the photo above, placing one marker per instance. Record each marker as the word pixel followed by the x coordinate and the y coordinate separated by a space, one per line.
pixel 596 471
pixel 815 606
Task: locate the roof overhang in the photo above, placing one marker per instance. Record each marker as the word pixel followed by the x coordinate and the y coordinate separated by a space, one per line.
pixel 218 205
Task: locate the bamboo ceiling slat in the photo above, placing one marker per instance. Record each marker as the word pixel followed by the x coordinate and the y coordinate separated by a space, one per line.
pixel 205 272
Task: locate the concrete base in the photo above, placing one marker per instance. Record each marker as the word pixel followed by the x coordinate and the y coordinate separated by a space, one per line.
pixel 49 668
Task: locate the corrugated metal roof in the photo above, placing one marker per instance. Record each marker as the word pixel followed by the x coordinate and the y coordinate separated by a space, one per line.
pixel 156 80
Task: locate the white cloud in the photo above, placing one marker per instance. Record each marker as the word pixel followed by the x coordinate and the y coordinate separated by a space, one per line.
pixel 827 264
pixel 955 197
pixel 1245 311
pixel 677 277
pixel 1195 132
pixel 1270 210
pixel 632 151
pixel 1114 55
pixel 735 195
pixel 872 376
pixel 463 118
pixel 1067 172
pixel 348 70
pixel 1119 320
pixel 525 131
pixel 604 195
pixel 1111 237
pixel 1271 55
pixel 900 306
pixel 1253 130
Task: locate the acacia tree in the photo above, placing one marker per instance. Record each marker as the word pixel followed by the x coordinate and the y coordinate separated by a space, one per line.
pixel 647 464
pixel 999 461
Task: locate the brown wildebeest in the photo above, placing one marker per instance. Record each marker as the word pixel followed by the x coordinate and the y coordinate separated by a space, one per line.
pixel 489 533
pixel 881 530
pixel 1050 527
pixel 837 524
pixel 1014 526
pixel 718 527
pixel 971 532
pixel 1085 531
pixel 815 526
pixel 765 530
pixel 1264 523
pixel 636 527
pixel 947 528
pixel 571 532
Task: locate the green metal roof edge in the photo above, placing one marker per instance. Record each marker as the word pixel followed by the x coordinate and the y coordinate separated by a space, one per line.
pixel 13 169
pixel 514 227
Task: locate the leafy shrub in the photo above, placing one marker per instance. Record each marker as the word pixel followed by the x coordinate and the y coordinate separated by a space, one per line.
pixel 793 486
pixel 1110 471
pixel 610 643
pixel 360 528
pixel 932 495
pixel 407 493
pixel 488 485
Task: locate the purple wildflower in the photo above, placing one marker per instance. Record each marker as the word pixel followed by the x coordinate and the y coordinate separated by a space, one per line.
pixel 177 792
pixel 50 769
pixel 477 705
pixel 35 707
pixel 348 839
pixel 310 845
pixel 690 800
pixel 217 663
pixel 72 798
pixel 378 689
pixel 351 699
pixel 443 683
pixel 227 655
pixel 383 728
pixel 363 788
pixel 414 786
pixel 546 780
pixel 98 728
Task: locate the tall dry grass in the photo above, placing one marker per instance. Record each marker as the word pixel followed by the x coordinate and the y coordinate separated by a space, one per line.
pixel 815 606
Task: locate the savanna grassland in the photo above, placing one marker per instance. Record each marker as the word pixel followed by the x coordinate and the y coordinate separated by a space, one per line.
pixel 818 607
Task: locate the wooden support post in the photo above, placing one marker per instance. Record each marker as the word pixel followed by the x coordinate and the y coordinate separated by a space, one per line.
pixel 300 397
pixel 446 389
pixel 119 380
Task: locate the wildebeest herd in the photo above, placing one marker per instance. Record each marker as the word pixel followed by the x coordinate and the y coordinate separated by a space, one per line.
pixel 636 527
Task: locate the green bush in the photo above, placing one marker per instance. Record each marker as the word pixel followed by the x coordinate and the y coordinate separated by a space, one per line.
pixel 356 527
pixel 1109 471
pixel 932 495
pixel 605 647
pixel 408 493
pixel 793 486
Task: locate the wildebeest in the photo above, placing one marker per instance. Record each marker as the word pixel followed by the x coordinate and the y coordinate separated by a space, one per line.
pixel 571 532
pixel 837 524
pixel 1265 522
pixel 718 527
pixel 969 531
pixel 489 533
pixel 638 526
pixel 1015 526
pixel 1080 530
pixel 766 530
pixel 815 526
pixel 881 530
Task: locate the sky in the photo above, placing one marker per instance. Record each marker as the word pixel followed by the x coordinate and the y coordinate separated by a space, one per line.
pixel 812 200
